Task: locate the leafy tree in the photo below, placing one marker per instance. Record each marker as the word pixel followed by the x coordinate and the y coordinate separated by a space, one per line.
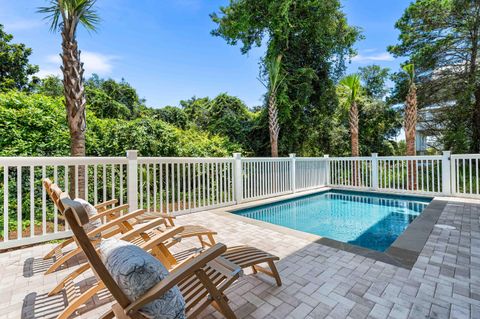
pixel 104 106
pixel 15 70
pixel 50 86
pixel 121 92
pixel 351 84
pixel 65 15
pixel 35 125
pixel 374 79
pixel 173 115
pixel 197 111
pixel 314 39
pixel 32 125
pixel 228 116
pixel 441 37
pixel 224 115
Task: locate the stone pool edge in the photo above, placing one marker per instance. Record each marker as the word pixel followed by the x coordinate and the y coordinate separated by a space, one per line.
pixel 402 253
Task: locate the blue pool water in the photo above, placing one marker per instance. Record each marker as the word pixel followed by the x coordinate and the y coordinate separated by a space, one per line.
pixel 369 220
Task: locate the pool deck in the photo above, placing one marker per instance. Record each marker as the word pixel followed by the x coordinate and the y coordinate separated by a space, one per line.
pixel 319 281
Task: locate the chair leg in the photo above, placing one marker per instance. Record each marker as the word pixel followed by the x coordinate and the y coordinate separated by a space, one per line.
pixel 73 306
pixel 275 273
pixel 218 297
pixel 225 308
pixel 68 278
pixel 201 241
pixel 211 239
pixel 62 260
pixel 58 247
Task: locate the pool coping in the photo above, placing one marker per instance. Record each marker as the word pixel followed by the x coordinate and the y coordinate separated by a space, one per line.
pixel 403 252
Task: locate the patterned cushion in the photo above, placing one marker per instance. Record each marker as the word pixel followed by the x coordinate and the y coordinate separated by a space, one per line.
pixel 136 271
pixel 91 211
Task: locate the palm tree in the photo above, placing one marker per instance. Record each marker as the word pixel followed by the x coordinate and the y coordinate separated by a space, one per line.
pixel 275 78
pixel 352 84
pixel 411 122
pixel 65 16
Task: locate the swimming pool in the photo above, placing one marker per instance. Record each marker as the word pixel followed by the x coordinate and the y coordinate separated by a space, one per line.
pixel 369 220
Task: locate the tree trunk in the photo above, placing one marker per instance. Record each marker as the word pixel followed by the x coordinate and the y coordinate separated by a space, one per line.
pixel 476 122
pixel 75 106
pixel 353 119
pixel 273 125
pixel 410 130
pixel 354 131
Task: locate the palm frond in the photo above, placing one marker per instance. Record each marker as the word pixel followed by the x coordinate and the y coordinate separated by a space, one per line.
pixel 352 84
pixel 72 12
pixel 410 70
pixel 274 67
pixel 52 13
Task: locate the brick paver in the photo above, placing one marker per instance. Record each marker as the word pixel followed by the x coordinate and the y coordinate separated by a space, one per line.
pixel 318 281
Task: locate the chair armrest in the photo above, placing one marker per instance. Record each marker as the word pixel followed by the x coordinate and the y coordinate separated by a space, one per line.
pixel 142 229
pixel 105 204
pixel 181 273
pixel 161 238
pixel 226 267
pixel 116 222
pixel 110 211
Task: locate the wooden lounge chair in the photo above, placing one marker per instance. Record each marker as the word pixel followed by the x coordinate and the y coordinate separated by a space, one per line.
pixel 139 236
pixel 122 224
pixel 157 244
pixel 243 256
pixel 202 280
pixel 101 208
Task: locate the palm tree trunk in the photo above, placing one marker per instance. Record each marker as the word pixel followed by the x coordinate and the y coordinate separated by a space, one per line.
pixel 273 125
pixel 410 130
pixel 353 119
pixel 75 105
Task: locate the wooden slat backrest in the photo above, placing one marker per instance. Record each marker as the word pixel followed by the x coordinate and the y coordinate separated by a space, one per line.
pixel 56 194
pixel 77 217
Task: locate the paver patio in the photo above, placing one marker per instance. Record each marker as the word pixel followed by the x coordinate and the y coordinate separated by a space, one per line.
pixel 318 281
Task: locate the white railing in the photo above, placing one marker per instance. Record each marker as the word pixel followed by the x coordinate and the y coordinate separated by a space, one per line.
pixel 351 172
pixel 419 174
pixel 465 174
pixel 310 172
pixel 265 177
pixel 25 201
pixel 182 185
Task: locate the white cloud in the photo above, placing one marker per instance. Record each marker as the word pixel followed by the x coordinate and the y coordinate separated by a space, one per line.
pixel 93 62
pixel 97 63
pixel 378 57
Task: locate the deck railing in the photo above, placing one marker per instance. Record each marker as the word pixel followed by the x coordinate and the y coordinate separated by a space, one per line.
pixel 182 185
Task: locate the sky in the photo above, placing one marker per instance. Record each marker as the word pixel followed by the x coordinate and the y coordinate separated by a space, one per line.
pixel 165 50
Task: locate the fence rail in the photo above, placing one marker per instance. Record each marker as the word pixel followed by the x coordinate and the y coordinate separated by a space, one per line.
pixel 182 185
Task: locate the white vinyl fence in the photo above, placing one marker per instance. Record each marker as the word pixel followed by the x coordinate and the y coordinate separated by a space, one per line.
pixel 182 185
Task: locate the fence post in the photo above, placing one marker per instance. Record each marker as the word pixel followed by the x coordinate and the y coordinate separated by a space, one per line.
pixel 238 177
pixel 446 173
pixel 293 173
pixel 132 180
pixel 375 171
pixel 327 170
